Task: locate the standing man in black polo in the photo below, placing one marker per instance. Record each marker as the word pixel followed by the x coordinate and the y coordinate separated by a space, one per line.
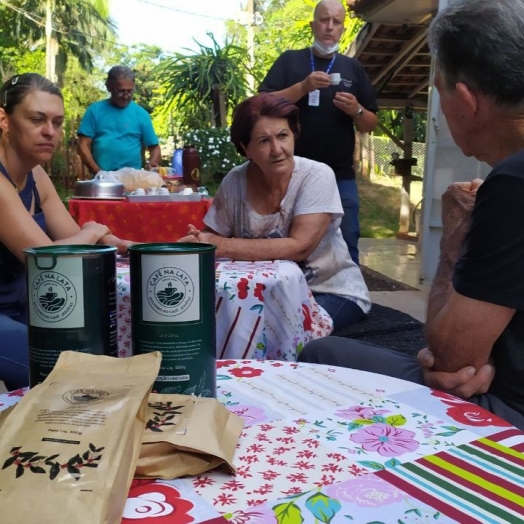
pixel 329 111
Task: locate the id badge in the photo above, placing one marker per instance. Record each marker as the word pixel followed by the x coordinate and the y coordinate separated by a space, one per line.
pixel 314 98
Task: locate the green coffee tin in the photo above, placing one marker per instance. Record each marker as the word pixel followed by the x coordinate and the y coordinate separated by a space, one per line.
pixel 173 311
pixel 71 292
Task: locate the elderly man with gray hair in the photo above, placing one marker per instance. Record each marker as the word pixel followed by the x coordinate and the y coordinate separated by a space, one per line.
pixel 113 131
pixel 475 318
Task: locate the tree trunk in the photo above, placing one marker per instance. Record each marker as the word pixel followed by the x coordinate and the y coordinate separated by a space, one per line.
pixel 219 106
pixel 51 45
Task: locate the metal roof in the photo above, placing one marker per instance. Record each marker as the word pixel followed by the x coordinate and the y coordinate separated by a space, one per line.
pixel 392 47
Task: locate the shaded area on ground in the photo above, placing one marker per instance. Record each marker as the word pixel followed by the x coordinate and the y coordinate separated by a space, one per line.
pixel 378 282
pixel 388 327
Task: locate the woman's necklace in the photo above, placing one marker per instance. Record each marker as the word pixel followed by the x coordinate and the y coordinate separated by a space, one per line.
pixel 9 177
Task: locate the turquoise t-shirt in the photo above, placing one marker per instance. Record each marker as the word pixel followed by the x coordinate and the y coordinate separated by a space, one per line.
pixel 118 134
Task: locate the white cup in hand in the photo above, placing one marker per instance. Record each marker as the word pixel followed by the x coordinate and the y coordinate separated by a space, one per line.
pixel 335 79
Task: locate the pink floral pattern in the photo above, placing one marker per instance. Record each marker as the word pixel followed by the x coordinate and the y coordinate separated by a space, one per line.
pixel 360 412
pixel 249 414
pixel 369 491
pixel 386 440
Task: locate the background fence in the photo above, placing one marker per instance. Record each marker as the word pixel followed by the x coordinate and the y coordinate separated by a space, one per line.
pixel 375 155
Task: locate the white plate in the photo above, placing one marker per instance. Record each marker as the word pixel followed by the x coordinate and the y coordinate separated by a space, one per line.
pixel 172 197
pixel 98 198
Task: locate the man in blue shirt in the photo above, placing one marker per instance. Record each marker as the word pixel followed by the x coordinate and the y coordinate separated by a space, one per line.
pixel 113 131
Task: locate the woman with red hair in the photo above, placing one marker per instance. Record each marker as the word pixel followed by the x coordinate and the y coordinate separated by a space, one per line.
pixel 280 206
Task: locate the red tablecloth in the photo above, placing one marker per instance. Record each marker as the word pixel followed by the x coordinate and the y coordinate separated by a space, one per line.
pixel 143 221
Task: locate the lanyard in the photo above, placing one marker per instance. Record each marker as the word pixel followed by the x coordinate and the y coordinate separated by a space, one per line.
pixel 313 62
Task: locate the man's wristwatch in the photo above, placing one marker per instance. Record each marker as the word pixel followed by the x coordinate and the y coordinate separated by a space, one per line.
pixel 359 113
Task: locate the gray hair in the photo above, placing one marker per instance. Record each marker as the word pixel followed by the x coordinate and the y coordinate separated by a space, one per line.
pixel 118 72
pixel 481 44
pixel 18 87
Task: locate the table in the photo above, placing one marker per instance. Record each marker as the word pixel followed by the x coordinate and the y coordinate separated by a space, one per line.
pixel 334 445
pixel 264 310
pixel 141 221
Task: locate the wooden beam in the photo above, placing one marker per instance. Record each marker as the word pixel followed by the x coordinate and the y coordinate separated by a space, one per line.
pixel 378 52
pixel 420 87
pixel 401 83
pixel 399 103
pixel 356 48
pixel 406 51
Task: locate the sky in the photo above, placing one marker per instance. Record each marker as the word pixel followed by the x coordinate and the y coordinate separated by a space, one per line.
pixel 172 24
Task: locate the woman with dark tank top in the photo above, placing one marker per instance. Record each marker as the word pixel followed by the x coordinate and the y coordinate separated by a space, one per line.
pixel 31 212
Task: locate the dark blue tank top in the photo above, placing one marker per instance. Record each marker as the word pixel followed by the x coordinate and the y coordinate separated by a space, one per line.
pixel 13 293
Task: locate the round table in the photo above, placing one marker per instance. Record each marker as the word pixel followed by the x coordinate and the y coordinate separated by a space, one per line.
pixel 323 444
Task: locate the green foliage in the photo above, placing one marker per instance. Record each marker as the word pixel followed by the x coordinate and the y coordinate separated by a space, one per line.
pixel 393 120
pixel 79 91
pixel 192 83
pixel 217 153
pixel 80 29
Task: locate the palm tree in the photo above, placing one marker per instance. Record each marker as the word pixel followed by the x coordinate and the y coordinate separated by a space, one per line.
pixel 204 85
pixel 77 27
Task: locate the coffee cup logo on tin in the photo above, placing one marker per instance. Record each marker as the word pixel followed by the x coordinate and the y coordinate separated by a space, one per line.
pixel 84 396
pixel 53 296
pixel 170 291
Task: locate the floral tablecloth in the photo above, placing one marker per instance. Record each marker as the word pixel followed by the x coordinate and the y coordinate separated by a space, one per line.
pixel 332 445
pixel 141 221
pixel 264 310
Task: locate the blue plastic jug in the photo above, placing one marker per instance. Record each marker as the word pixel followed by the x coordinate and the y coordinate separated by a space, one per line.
pixel 177 161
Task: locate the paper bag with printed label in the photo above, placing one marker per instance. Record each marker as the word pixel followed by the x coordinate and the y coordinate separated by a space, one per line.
pixel 68 450
pixel 186 435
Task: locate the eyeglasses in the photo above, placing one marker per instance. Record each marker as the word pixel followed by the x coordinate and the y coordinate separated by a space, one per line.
pixel 13 82
pixel 125 92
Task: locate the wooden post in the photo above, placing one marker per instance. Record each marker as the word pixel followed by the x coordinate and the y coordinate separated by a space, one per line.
pixel 371 154
pixel 357 154
pixel 405 208
pixel 364 144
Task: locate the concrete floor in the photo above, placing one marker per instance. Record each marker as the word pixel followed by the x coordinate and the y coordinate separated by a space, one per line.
pixel 399 260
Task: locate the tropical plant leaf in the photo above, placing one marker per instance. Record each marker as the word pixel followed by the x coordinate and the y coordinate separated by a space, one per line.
pixel 288 513
pixel 323 507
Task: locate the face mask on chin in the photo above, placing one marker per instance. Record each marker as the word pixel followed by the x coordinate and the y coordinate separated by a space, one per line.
pixel 324 49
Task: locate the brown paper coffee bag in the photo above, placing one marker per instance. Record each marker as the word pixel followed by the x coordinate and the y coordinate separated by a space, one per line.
pixel 186 435
pixel 68 450
pixel 4 414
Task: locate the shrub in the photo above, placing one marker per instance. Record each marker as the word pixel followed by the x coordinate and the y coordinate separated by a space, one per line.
pixel 217 154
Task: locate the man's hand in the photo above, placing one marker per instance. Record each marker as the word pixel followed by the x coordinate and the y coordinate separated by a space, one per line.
pixel 464 383
pixel 347 102
pixel 316 80
pixel 457 202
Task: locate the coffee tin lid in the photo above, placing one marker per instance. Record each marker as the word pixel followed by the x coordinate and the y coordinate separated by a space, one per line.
pixel 70 249
pixel 172 248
